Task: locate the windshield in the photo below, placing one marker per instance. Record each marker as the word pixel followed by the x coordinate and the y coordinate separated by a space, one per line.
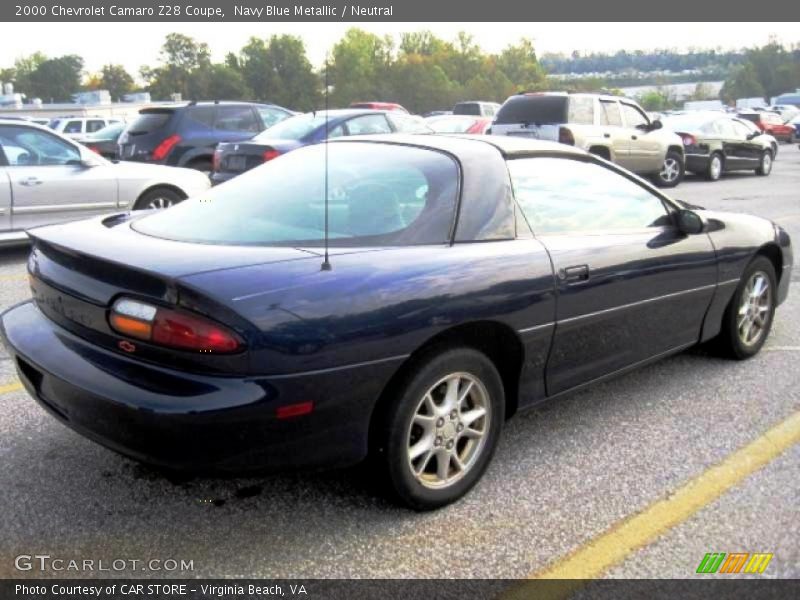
pixel 293 128
pixel 379 194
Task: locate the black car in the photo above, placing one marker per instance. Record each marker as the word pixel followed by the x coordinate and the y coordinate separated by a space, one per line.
pixel 186 135
pixel 396 296
pixel 105 141
pixel 716 143
pixel 234 158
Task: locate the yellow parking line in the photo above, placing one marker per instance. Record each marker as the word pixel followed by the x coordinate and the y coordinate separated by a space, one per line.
pixel 13 276
pixel 10 387
pixel 612 547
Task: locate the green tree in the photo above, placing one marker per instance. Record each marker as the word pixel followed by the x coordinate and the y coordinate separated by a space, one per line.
pixel 183 59
pixel 743 83
pixel 116 80
pixel 521 67
pixel 56 79
pixel 359 68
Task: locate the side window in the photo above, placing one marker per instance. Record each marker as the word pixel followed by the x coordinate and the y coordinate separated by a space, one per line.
pixel 368 124
pixel 726 129
pixel 236 118
pixel 73 127
pixel 201 115
pixel 30 147
pixel 741 130
pixel 609 113
pixel 581 110
pixel 270 116
pixel 560 195
pixel 94 125
pixel 633 116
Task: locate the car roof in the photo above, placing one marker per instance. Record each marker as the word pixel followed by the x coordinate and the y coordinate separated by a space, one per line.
pixel 457 143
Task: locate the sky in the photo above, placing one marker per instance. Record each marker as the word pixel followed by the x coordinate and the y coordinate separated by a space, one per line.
pixel 136 44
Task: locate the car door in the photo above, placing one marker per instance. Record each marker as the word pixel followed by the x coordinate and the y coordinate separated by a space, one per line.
pixel 630 286
pixel 49 183
pixel 614 133
pixel 750 146
pixel 646 151
pixel 5 194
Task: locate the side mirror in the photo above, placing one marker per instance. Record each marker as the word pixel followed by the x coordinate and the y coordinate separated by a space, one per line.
pixel 657 124
pixel 753 135
pixel 689 222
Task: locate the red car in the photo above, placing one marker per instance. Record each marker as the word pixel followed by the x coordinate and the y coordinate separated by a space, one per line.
pixel 379 106
pixel 458 124
pixel 771 123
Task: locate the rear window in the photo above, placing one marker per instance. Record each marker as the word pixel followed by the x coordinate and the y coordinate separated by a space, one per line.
pixel 534 109
pixel 150 121
pixel 378 194
pixel 467 108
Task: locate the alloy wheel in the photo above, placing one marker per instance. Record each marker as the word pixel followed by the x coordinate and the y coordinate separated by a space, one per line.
pixel 670 170
pixel 766 163
pixel 754 309
pixel 448 431
pixel 160 202
pixel 715 168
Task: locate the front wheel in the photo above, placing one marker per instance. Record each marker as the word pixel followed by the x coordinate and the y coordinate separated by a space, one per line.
pixel 672 171
pixel 748 318
pixel 439 435
pixel 765 166
pixel 157 198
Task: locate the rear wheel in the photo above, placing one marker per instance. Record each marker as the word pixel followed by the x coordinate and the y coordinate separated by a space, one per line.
pixel 765 166
pixel 672 171
pixel 157 198
pixel 715 166
pixel 748 318
pixel 439 435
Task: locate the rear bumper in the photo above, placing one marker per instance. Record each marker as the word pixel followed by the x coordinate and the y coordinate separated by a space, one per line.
pixel 188 421
pixel 218 177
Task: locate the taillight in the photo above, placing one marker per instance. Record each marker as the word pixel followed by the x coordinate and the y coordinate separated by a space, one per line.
pixel 688 140
pixel 216 160
pixel 172 328
pixel 269 154
pixel 93 149
pixel 161 151
pixel 565 136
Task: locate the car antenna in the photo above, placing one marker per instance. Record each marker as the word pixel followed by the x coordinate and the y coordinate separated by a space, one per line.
pixel 326 264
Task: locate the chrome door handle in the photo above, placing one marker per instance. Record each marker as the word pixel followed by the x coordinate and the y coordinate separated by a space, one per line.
pixel 31 181
pixel 574 274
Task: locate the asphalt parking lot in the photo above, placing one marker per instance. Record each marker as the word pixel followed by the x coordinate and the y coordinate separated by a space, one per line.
pixel 569 473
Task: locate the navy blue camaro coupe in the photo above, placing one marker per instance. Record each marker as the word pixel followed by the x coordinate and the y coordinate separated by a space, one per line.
pixel 399 298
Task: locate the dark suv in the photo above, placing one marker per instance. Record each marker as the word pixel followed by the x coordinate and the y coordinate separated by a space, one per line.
pixel 186 135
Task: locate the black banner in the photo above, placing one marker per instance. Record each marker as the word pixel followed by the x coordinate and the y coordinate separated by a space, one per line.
pixel 427 589
pixel 389 10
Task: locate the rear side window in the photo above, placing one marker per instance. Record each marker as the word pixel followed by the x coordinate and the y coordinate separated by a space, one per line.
pixel 581 110
pixel 202 116
pixel 94 125
pixel 609 113
pixel 378 194
pixel 533 109
pixel 567 196
pixel 236 118
pixel 270 116
pixel 148 122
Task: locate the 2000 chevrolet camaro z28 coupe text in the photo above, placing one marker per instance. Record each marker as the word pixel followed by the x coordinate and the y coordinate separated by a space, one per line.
pixel 468 278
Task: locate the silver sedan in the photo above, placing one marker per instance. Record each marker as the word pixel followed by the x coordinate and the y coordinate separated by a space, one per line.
pixel 47 178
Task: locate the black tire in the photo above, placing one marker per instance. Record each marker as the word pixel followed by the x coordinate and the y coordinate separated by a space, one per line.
pixel 157 198
pixel 668 177
pixel 729 341
pixel 765 165
pixel 201 164
pixel 712 172
pixel 398 433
